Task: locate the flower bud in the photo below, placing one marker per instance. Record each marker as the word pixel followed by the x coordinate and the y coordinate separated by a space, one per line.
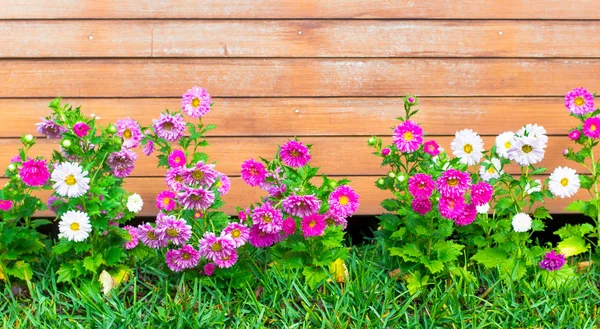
pixel 392 174
pixel 401 178
pixel 385 152
pixel 29 138
pixel 112 129
pixel 380 181
pixel 372 140
pixel 12 167
pixel 332 183
pixel 565 151
pixel 66 143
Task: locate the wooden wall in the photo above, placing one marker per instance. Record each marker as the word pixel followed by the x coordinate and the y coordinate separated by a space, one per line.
pixel 331 72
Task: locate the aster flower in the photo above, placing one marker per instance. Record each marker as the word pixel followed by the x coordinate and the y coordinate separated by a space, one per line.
pixel 421 186
pixel 526 151
pixel 481 193
pixel 332 217
pixel 81 129
pixel 521 222
pixel 294 154
pixel 535 187
pixel 564 182
pixel 591 127
pixel 535 131
pixel 169 127
pixel 408 136
pixel 385 152
pixel 253 172
pixel 175 178
pixel 130 131
pixel 276 191
pixel 574 134
pixel 196 198
pixel 289 226
pixel 493 171
pixel 173 229
pixel 483 209
pixel 196 102
pixel 177 159
pixel 238 233
pixel 451 207
pixel 209 269
pixel 432 148
pixel 453 183
pixel 184 258
pixel 213 247
pixel 301 205
pixel 553 261
pixel 421 206
pixel 202 174
pixel 268 218
pixel 34 172
pixel 6 205
pixel 147 234
pixel 53 204
pixel 133 240
pixel 198 215
pixel 223 184
pixel 122 163
pixel 467 216
pixel 16 158
pixel 165 200
pixel 75 226
pixel 344 201
pixel 50 129
pixel 70 180
pixel 226 261
pixel 135 203
pixel 260 239
pixel 149 148
pixel 313 225
pixel 579 101
pixel 468 146
pixel 504 142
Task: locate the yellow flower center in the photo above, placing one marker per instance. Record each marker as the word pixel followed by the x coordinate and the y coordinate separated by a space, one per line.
pixel 219 184
pixel 195 197
pixel 579 101
pixel 70 180
pixel 225 258
pixel 593 128
pixel 451 204
pixel 527 148
pixel 491 170
pixel 167 126
pixel 177 159
pixel 195 102
pixel 74 226
pixel 178 178
pixel 453 181
pixel 564 182
pixel 186 256
pixel 344 200
pixel 267 218
pixel 312 223
pixel 507 145
pixel 216 247
pixel 295 153
pixel 468 148
pixel 408 136
pixel 236 233
pixel 198 174
pixel 151 235
pixel 127 133
pixel 166 201
pixel 172 232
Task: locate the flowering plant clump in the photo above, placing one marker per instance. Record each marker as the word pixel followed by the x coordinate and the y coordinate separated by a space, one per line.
pixel 302 223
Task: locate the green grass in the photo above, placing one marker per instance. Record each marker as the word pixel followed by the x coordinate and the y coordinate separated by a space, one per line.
pixel 279 299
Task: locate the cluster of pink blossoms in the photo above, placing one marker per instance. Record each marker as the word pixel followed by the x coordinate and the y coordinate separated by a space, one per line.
pixel 580 103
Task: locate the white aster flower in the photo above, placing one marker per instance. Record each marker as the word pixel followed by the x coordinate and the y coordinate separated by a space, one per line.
pixel 135 203
pixel 535 131
pixel 504 141
pixel 521 222
pixel 530 188
pixel 483 209
pixel 493 171
pixel 526 150
pixel 74 226
pixel 467 145
pixel 69 180
pixel 564 182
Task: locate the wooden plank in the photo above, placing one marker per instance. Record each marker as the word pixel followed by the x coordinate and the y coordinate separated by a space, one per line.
pixel 334 155
pixel 243 195
pixel 296 77
pixel 313 116
pixel 309 38
pixel 201 9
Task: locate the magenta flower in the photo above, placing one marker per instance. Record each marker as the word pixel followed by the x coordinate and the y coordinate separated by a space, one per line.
pixel 408 136
pixel 165 200
pixel 177 159
pixel 242 216
pixel 81 129
pixel 385 152
pixel 467 216
pixel 421 206
pixel 313 225
pixel 451 207
pixel 224 184
pixel 301 205
pixel 133 240
pixel 202 174
pixel 196 102
pixel 184 258
pixel 226 261
pixel 175 178
pixel 169 127
pixel 238 233
pixel 198 215
pixel 16 158
pixel 174 229
pixel 579 101
pixel 553 261
pixel 421 186
pixel 254 173
pixel 147 234
pixel 481 193
pixel 333 217
pixel 453 183
pixel 431 147
pixel 294 154
pixel 34 172
pixel 129 130
pixel 196 198
pixel 213 247
pixel 344 201
pixel 50 129
pixel 260 239
pixel 268 218
pixel 5 205
pixel 149 148
pixel 209 269
pixel 574 134
pixel 591 127
pixel 289 226
pixel 122 163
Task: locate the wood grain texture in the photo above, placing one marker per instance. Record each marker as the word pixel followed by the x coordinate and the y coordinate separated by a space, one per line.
pixel 200 9
pixel 296 77
pixel 334 155
pixel 314 116
pixel 308 38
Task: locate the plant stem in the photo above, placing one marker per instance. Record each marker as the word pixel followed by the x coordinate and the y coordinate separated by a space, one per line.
pixel 597 219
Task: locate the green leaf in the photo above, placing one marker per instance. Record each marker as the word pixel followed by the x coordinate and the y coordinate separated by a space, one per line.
pixel 65 273
pixel 577 206
pixel 389 222
pixel 83 247
pixel 391 204
pixel 586 181
pixel 314 276
pixel 503 203
pixel 63 246
pixel 541 213
pixel 434 266
pixel 399 234
pixel 538 171
pixel 39 222
pixel 555 279
pixel 113 255
pixel 332 237
pixel 409 252
pixel 572 246
pixel 415 282
pixel 21 270
pixel 447 251
pixel 490 257
pixel 92 263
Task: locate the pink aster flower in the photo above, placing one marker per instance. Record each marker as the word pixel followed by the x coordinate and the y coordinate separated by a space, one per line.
pixel 238 233
pixel 276 191
pixel 553 261
pixel 385 152
pixel 453 183
pixel 196 198
pixel 481 193
pixel 344 201
pixel 268 218
pixel 34 172
pixel 133 240
pixel 122 163
pixel 591 127
pixel 242 216
pixel 421 206
pixel 467 216
pixel 171 258
pixel 5 205
pixel 169 127
pixel 130 131
pixel 224 184
pixel 313 225
pixel 289 226
pixel 294 154
pixel 149 148
pixel 209 269
pixel 174 229
pixel 196 102
pixel 175 178
pixel 213 247
pixel 408 136
pixel 574 134
pixel 50 129
pixel 202 174
pixel 81 129
pixel 147 234
pixel 421 186
pixel 183 258
pixel 431 147
pixel 301 205
pixel 451 207
pixel 16 158
pixel 260 239
pixel 226 261
pixel 333 217
pixel 165 200
pixel 579 101
pixel 254 173
pixel 177 159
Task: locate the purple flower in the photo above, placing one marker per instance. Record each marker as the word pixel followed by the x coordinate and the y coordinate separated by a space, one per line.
pixel 574 134
pixel 169 127
pixel 209 269
pixel 253 172
pixel 184 258
pixel 313 225
pixel 227 261
pixel 431 147
pixel 149 148
pixel 451 207
pixel 173 229
pixel 408 136
pixel 34 172
pixel 238 233
pixel 481 193
pixel 196 198
pixel 242 216
pixel 453 183
pixel 147 234
pixel 129 130
pixel 289 226
pixel 81 129
pixel 133 241
pixel 294 154
pixel 421 186
pixel 267 218
pixel 5 205
pixel 467 216
pixel 122 163
pixel 301 205
pixel 333 217
pixel 165 200
pixel 50 129
pixel 343 201
pixel 385 152
pixel 579 101
pixel 260 239
pixel 213 247
pixel 223 184
pixel 196 102
pixel 177 159
pixel 175 178
pixel 421 206
pixel 591 127
pixel 553 261
pixel 202 174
